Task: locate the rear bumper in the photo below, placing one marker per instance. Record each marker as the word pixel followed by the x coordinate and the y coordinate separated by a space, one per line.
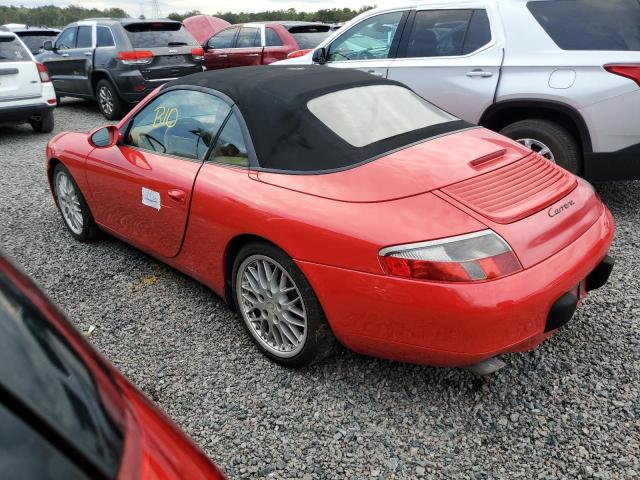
pixel 133 87
pixel 23 113
pixel 455 325
pixel 621 165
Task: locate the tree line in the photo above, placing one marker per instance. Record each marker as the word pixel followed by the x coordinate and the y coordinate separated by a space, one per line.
pixel 53 16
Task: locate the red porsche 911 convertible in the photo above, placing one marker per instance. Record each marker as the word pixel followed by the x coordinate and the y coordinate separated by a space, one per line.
pixel 329 204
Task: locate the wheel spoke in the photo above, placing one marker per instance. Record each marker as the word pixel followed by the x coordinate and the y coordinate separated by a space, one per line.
pixel 292 336
pixel 293 320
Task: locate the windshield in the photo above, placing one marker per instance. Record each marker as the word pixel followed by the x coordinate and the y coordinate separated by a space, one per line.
pixel 365 115
pixel 34 41
pixel 155 35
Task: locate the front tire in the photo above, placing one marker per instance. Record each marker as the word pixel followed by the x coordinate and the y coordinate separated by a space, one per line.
pixel 44 124
pixel 73 207
pixel 109 103
pixel 550 139
pixel 279 308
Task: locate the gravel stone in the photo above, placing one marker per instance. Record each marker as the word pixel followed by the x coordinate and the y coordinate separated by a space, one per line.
pixel 570 409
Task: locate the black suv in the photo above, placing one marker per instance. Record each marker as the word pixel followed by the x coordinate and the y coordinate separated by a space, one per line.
pixel 118 62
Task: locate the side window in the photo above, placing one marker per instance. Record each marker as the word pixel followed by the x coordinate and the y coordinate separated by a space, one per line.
pixel 181 122
pixel 104 37
pixel 230 148
pixel 67 39
pixel 224 39
pixel 85 37
pixel 370 39
pixel 479 32
pixel 249 37
pixel 273 39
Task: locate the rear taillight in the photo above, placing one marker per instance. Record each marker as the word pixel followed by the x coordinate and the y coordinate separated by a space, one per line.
pixel 43 72
pixel 298 53
pixel 136 57
pixel 197 53
pixel 475 257
pixel 631 72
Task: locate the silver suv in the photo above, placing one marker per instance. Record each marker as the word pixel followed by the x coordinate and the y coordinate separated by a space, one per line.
pixel 562 77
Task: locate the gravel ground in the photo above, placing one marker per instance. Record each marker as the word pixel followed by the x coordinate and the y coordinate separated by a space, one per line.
pixel 568 410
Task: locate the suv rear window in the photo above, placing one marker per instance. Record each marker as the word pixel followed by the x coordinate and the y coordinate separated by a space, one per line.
pixel 310 36
pixel 155 35
pixel 365 115
pixel 11 50
pixel 590 24
pixel 34 40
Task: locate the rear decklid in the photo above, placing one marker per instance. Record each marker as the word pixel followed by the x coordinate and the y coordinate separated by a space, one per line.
pixel 19 77
pixel 171 46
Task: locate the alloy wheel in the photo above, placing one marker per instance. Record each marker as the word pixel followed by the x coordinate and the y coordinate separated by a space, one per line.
pixel 105 99
pixel 538 147
pixel 69 202
pixel 271 306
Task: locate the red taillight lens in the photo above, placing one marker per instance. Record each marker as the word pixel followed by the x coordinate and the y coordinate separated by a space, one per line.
pixel 476 257
pixel 136 57
pixel 631 72
pixel 43 72
pixel 197 53
pixel 298 53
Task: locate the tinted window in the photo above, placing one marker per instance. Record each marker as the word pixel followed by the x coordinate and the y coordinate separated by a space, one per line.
pixel 85 37
pixel 25 454
pixel 447 33
pixel 11 50
pixel 43 371
pixel 104 37
pixel 273 39
pixel 34 41
pixel 154 35
pixel 223 39
pixel 310 36
pixel 370 39
pixel 67 39
pixel 230 148
pixel 249 37
pixel 590 24
pixel 364 115
pixel 181 122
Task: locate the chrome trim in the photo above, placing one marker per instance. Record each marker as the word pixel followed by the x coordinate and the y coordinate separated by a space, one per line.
pixel 15 99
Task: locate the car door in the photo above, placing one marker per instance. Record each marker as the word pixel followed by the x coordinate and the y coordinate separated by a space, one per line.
pixel 59 61
pixel 81 59
pixel 141 188
pixel 216 54
pixel 452 57
pixel 369 45
pixel 248 48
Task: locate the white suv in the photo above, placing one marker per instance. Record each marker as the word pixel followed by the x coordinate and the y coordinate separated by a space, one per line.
pixel 26 92
pixel 562 77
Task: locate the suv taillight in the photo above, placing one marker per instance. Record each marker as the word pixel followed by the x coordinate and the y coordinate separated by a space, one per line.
pixel 476 257
pixel 197 53
pixel 136 57
pixel 43 72
pixel 631 72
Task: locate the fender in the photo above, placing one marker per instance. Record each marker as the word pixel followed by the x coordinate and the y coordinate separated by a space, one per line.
pixel 499 107
pixel 100 71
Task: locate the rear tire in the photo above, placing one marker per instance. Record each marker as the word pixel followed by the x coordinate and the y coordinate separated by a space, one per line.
pixel 110 104
pixel 74 210
pixel 44 124
pixel 267 311
pixel 563 147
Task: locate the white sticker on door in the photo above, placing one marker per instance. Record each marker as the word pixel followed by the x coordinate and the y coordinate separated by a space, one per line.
pixel 151 198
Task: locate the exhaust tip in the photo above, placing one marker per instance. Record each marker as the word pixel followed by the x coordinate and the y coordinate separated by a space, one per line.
pixel 487 367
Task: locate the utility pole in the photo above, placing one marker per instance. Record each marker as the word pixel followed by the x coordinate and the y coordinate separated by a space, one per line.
pixel 155 9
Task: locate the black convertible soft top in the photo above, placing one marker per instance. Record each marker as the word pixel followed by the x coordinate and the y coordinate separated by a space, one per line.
pixel 285 134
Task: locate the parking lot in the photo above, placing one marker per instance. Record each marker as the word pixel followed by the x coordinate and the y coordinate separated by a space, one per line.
pixel 570 409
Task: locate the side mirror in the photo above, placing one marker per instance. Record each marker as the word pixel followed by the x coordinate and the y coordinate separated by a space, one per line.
pixel 105 137
pixel 47 45
pixel 320 56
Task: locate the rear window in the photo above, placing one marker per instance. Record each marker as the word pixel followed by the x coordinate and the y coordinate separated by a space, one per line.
pixel 310 36
pixel 155 35
pixel 34 40
pixel 11 50
pixel 590 24
pixel 365 115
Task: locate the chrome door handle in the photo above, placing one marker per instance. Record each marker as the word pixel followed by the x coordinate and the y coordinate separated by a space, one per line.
pixel 223 56
pixel 88 54
pixel 65 54
pixel 376 73
pixel 479 74
pixel 254 54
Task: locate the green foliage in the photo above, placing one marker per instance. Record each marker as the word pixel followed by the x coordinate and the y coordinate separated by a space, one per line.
pixel 53 16
pixel 333 15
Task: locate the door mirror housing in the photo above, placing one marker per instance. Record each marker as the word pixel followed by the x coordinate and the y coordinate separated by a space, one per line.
pixel 320 56
pixel 48 45
pixel 105 137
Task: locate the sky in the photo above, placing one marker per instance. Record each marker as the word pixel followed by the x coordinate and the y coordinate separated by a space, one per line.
pixel 206 6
